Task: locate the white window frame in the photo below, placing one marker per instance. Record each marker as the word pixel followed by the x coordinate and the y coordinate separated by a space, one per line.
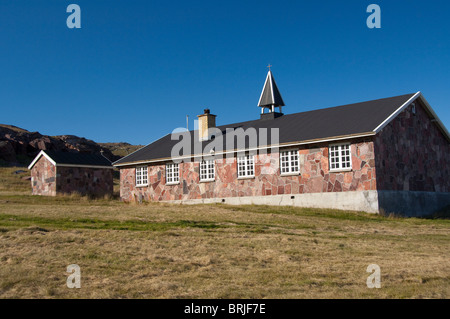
pixel 172 178
pixel 207 170
pixel 141 176
pixel 341 152
pixel 246 166
pixel 292 158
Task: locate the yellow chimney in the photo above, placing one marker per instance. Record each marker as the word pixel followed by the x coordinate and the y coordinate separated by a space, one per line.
pixel 205 122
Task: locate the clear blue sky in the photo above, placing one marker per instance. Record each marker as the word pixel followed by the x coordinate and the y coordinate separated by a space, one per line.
pixel 135 69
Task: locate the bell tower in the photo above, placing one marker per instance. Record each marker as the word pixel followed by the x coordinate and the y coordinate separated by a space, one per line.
pixel 270 98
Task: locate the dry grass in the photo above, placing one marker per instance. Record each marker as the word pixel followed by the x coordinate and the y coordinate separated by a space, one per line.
pixel 214 251
pixel 11 183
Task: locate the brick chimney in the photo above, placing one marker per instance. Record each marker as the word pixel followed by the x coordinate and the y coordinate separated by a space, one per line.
pixel 205 122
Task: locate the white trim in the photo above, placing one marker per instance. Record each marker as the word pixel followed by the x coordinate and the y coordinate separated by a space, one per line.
pixel 271 88
pixel 140 148
pixel 173 183
pixel 260 97
pixel 340 169
pixel 289 166
pixel 246 167
pixel 290 174
pixel 428 106
pixel 247 177
pixel 144 169
pixel 346 137
pixel 207 163
pixel 396 112
pixel 172 175
pixel 420 96
pixel 38 157
pixel 337 170
pixel 42 153
pixel 207 180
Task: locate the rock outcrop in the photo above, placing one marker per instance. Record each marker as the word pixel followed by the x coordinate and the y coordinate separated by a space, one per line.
pixel 19 146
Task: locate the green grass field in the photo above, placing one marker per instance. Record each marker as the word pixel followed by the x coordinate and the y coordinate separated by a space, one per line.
pixel 159 250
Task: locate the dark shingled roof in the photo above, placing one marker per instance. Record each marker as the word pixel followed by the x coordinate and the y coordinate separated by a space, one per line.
pixel 331 122
pixel 70 158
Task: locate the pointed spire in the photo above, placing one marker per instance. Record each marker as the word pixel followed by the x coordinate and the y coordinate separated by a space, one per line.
pixel 270 95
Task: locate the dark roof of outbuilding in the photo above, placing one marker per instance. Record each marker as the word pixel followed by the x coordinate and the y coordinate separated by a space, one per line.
pixel 341 121
pixel 78 158
pixel 74 159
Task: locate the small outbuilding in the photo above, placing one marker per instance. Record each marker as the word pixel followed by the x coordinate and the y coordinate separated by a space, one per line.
pixel 55 173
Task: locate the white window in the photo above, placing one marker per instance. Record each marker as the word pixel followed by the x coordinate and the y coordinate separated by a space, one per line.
pixel 207 170
pixel 141 176
pixel 340 157
pixel 289 162
pixel 172 173
pixel 246 166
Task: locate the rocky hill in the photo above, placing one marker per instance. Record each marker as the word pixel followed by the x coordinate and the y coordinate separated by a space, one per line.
pixel 19 146
pixel 120 149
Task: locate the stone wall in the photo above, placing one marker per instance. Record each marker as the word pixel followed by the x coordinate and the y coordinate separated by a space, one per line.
pixel 412 154
pixel 314 177
pixel 85 181
pixel 43 178
pixel 49 180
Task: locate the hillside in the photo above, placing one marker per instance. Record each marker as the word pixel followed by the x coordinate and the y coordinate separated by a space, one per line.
pixel 19 146
pixel 120 149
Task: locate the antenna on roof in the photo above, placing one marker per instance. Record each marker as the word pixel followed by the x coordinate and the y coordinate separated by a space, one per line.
pixel 187 123
pixel 102 153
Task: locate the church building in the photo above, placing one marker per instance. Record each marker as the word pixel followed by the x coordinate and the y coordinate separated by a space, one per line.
pixel 390 155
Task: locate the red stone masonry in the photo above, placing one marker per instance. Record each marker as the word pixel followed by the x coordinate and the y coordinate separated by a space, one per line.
pixel 314 177
pixel 83 180
pixel 412 154
pixel 43 178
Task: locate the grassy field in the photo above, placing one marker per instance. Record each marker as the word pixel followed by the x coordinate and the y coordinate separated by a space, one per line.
pixel 211 251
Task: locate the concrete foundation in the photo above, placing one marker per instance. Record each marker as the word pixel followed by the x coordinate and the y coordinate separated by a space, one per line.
pixel 405 203
pixel 412 204
pixel 366 201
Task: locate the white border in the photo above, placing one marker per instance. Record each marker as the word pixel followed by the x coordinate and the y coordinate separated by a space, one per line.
pixel 135 176
pixel 396 112
pixel 38 157
pixel 290 173
pixel 200 172
pixel 179 173
pixel 260 97
pixel 342 169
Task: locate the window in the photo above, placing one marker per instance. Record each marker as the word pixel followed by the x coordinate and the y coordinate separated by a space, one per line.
pixel 289 162
pixel 141 176
pixel 340 157
pixel 246 166
pixel 207 170
pixel 172 174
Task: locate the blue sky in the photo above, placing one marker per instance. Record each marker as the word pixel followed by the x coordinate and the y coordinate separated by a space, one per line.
pixel 135 69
